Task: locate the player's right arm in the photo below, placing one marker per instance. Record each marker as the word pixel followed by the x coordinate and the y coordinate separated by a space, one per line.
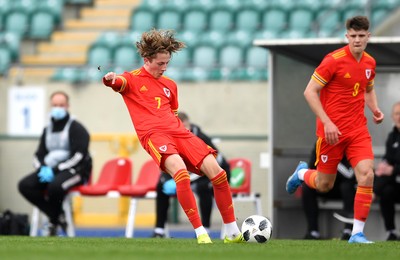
pixel 116 82
pixel 311 95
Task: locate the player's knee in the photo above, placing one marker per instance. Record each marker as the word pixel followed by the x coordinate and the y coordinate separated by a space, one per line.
pixel 324 186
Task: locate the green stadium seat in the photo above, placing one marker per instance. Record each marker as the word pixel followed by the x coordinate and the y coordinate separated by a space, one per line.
pixel 213 38
pixel 143 19
pixel 328 21
pixel 388 4
pixel 109 39
pixel 181 59
pixel 294 34
pixel 312 5
pixel 42 25
pixel 99 55
pixel 13 41
pixel 5 59
pixel 17 21
pixel 28 6
pixel 350 12
pixel 301 19
pixel 243 38
pixel 195 20
pixel 267 34
pixel 378 15
pixel 355 4
pixel 286 5
pixel 274 19
pixel 258 4
pixel 221 19
pixel 256 57
pixel 190 38
pixel 330 4
pixel 56 7
pixel 68 74
pixel 205 56
pixel 79 2
pixel 231 57
pixel 126 57
pixel 248 19
pixel 169 18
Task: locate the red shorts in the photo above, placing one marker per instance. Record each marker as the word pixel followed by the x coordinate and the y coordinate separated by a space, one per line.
pixel 357 147
pixel 191 148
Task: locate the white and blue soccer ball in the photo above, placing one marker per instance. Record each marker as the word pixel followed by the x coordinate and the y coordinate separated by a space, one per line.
pixel 257 229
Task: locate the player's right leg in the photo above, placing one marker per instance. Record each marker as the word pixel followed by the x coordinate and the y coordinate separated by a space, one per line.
pixel 294 180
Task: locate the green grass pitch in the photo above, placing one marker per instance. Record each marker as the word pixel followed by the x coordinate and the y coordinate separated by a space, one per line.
pixel 42 248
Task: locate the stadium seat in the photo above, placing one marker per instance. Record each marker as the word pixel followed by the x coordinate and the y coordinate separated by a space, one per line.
pixel 5 59
pixel 13 40
pixel 190 38
pixel 169 19
pixel 99 55
pixel 205 56
pixel 114 173
pixel 221 19
pixel 126 56
pixel 240 182
pixel 56 7
pixel 378 15
pixel 274 19
pixel 143 19
pixel 28 6
pixel 213 38
pixel 231 56
pixel 17 21
pixel 195 20
pixel 388 4
pixel 42 24
pixel 350 12
pixel 301 19
pixel 181 59
pixel 248 19
pixel 328 21
pixel 144 188
pixel 243 38
pixel 71 75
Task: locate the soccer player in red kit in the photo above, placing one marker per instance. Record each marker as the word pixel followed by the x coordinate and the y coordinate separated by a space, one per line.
pixel 337 93
pixel 152 102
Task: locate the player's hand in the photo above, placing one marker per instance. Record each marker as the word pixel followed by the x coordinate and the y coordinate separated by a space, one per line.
pixel 378 116
pixel 384 169
pixel 331 133
pixel 169 187
pixel 111 76
pixel 46 174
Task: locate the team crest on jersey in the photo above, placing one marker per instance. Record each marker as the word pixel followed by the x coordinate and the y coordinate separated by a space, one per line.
pixel 167 92
pixel 324 158
pixel 163 148
pixel 368 73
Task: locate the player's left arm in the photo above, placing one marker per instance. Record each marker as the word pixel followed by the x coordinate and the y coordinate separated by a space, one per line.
pixel 372 103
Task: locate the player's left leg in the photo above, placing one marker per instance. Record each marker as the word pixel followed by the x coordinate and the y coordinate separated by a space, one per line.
pixel 362 200
pixel 223 198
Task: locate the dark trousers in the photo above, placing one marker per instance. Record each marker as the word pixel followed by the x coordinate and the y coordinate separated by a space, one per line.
pixel 203 189
pixel 342 190
pixel 388 191
pixel 48 197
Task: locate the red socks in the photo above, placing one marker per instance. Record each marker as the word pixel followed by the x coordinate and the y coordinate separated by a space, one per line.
pixel 186 198
pixel 223 197
pixel 309 178
pixel 362 202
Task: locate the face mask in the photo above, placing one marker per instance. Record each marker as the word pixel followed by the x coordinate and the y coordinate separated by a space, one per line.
pixel 58 113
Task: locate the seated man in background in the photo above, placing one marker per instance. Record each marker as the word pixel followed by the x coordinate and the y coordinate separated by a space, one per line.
pixel 344 189
pixel 200 184
pixel 62 161
pixel 387 182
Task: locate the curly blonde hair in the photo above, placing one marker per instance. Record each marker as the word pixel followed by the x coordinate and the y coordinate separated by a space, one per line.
pixel 158 41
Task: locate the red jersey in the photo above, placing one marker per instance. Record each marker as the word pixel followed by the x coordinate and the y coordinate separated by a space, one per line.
pixel 344 82
pixel 152 103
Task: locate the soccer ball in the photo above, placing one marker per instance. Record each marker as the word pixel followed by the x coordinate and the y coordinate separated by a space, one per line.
pixel 257 229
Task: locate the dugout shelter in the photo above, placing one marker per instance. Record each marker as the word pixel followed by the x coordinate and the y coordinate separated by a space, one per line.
pixel 292 124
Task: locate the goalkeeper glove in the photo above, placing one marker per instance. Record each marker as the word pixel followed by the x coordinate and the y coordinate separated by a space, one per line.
pixel 46 174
